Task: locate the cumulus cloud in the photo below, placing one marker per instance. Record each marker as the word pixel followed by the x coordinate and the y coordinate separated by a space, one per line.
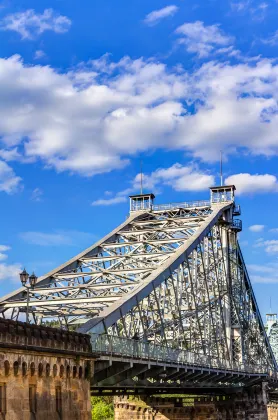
pixel 203 40
pixel 3 250
pixel 267 273
pixel 157 15
pixel 271 40
pixel 109 201
pixel 249 184
pixel 93 118
pixel 256 9
pixel 8 272
pixel 240 5
pixel 9 182
pixel 39 54
pixel 37 194
pixel 177 176
pixel 182 178
pixel 30 24
pixel 57 238
pixel 270 246
pixel 256 228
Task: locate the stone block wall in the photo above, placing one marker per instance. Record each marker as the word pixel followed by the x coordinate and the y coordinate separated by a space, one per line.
pixel 44 373
pixel 15 334
pixel 246 406
pixel 272 410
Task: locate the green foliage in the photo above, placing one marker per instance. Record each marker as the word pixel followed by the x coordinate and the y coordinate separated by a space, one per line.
pixel 102 408
pixel 53 324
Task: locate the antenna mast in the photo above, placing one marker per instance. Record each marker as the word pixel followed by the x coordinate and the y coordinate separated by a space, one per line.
pixel 221 169
pixel 141 170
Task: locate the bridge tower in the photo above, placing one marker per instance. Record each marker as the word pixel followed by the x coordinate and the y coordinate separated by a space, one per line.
pixel 272 332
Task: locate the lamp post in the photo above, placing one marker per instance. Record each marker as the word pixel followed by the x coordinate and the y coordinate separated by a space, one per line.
pixel 24 277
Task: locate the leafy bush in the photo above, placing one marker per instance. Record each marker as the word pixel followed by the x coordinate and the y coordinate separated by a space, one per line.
pixel 102 408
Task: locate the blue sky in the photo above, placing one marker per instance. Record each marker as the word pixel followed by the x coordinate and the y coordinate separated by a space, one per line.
pixel 90 89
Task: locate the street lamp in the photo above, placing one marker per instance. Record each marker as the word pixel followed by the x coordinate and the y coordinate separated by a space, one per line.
pixel 24 276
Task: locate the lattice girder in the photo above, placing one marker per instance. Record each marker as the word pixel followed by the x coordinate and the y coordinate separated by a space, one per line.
pixel 107 271
pixel 176 277
pixel 191 309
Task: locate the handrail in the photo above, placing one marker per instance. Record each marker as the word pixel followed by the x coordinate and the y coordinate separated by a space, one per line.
pixel 121 346
pixel 184 205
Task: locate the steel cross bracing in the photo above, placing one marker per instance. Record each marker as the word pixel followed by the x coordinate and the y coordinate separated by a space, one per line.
pixel 110 269
pixel 272 333
pixel 175 276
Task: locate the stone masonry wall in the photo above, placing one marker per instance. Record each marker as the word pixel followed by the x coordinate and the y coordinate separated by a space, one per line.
pixel 44 373
pixel 246 406
pixel 272 410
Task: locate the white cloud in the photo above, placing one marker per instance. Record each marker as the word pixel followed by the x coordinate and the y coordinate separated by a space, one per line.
pixel 93 118
pixel 57 238
pixel 240 5
pixel 255 9
pixel 270 246
pixel 183 178
pixel 267 273
pixel 109 201
pixel 9 182
pixel 8 272
pixel 250 184
pixel 177 176
pixel 259 11
pixel 156 15
pixel 256 228
pixel 37 194
pixel 4 248
pixel 202 40
pixel 30 24
pixel 10 154
pixel 39 54
pixel 271 40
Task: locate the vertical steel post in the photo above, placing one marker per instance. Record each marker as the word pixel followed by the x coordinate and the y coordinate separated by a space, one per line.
pixel 226 298
pixel 27 308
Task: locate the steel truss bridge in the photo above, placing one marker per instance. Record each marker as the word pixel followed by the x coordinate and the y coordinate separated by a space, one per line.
pixel 167 300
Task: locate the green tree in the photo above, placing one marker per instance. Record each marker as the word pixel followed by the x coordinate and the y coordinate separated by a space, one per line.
pixel 102 408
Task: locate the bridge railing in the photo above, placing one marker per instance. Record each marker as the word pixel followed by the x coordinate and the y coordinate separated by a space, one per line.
pixel 126 347
pixel 184 205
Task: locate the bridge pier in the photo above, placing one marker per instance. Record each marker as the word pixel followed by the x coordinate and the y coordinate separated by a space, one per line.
pixel 273 411
pixel 247 405
pixel 44 373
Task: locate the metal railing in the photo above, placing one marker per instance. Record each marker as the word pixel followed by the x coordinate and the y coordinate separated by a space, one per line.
pixel 236 210
pixel 126 347
pixel 185 205
pixel 222 196
pixel 237 224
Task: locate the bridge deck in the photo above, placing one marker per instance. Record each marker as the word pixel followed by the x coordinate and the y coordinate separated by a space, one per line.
pixel 128 364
